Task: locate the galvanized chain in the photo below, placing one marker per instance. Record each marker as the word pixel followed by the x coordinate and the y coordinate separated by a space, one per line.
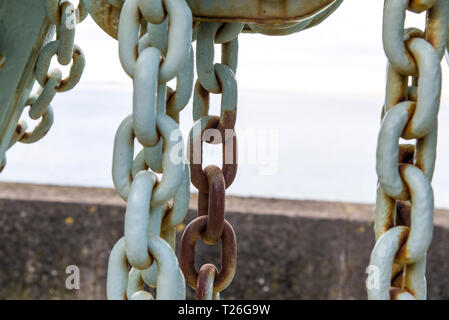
pixel 212 181
pixel 63 15
pixel 152 55
pixel 405 204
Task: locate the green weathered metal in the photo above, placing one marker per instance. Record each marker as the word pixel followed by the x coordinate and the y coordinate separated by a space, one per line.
pixel 24 29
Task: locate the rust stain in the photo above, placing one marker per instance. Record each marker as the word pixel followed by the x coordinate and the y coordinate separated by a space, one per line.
pixel 394 293
pixel 283 9
pixel 2 61
pixel 396 270
pixel 406 153
pixel 227 120
pixel 403 214
pixel 402 252
pixel 109 19
pixel 204 96
pixel 205 280
pixel 107 15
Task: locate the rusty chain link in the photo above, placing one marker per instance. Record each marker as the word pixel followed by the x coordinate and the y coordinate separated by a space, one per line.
pixel 152 55
pixel 212 181
pixel 405 204
pixel 154 118
pixel 153 52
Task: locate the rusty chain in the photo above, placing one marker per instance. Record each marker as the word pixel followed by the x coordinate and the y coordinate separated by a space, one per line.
pixel 154 48
pixel 212 181
pixel 152 54
pixel 63 15
pixel 405 204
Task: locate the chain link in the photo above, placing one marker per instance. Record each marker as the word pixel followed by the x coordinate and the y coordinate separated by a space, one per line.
pixel 405 204
pixel 152 55
pixel 212 181
pixel 156 110
pixel 64 16
pixel 205 283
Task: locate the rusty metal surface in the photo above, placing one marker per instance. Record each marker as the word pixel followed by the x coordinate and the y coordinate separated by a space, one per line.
pixel 269 11
pixel 228 254
pixel 106 13
pixel 215 204
pixel 212 181
pixel 195 153
pixel 205 283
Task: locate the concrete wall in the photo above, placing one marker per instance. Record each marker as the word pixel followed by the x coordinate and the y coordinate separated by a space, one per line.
pixel 286 249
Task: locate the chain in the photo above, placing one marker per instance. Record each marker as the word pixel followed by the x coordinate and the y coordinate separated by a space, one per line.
pixel 65 17
pixel 152 54
pixel 405 204
pixel 212 181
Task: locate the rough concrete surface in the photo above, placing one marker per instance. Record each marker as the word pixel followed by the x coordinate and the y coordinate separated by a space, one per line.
pixel 286 249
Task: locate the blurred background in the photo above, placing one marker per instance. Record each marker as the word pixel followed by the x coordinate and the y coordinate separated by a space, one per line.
pixel 313 100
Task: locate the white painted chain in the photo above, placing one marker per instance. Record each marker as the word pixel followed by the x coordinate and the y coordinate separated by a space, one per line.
pixel 405 204
pixel 145 255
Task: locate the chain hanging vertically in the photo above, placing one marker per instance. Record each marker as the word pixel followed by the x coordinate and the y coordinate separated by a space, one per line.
pixel 212 181
pixel 152 54
pixel 405 204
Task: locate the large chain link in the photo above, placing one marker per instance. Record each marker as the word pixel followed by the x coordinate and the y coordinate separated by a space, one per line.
pixel 65 17
pixel 212 181
pixel 405 204
pixel 152 54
